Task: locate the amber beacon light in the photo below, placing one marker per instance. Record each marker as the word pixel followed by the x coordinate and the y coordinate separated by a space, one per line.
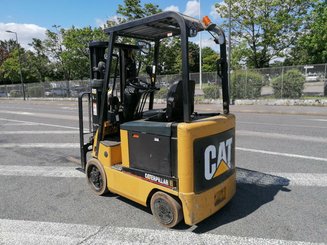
pixel 206 21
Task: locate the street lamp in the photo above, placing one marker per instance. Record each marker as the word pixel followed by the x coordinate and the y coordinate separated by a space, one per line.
pixel 229 44
pixel 20 64
pixel 200 50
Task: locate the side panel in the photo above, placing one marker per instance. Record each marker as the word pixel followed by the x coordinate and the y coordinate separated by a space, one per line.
pixel 131 186
pixel 150 152
pixel 124 148
pixel 109 155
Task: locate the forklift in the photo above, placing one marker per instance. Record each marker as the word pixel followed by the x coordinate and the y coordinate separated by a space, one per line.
pixel 178 162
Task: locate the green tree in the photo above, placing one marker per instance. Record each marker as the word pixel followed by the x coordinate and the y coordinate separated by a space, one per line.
pixel 76 54
pixel 311 48
pixel 167 55
pixel 10 68
pixel 68 49
pixel 239 56
pixel 193 56
pixel 40 60
pixel 269 28
pixel 5 48
pixel 29 70
pixel 209 60
pixel 132 10
pixel 55 48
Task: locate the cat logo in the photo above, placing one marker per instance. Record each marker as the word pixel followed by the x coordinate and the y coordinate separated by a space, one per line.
pixel 215 165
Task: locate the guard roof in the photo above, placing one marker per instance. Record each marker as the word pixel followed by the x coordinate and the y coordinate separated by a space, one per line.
pixel 157 26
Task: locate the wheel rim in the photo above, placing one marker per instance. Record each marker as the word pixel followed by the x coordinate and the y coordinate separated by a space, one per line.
pixel 95 178
pixel 163 211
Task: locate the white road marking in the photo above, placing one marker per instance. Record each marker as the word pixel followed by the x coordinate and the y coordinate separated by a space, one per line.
pixel 243 175
pixel 318 120
pixel 282 154
pixel 304 179
pixel 246 176
pixel 17 112
pixel 20 124
pixel 36 123
pixel 40 171
pixel 281 136
pixel 76 145
pixel 40 132
pixel 35 232
pixel 69 108
pixel 281 125
pixel 40 145
pixel 43 115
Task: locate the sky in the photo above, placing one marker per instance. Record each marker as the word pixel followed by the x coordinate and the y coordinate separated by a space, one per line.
pixel 31 18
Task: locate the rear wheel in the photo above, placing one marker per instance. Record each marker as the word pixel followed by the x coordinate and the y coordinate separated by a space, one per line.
pixel 166 209
pixel 96 177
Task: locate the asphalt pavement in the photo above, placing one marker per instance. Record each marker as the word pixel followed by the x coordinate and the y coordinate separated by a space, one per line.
pixel 281 191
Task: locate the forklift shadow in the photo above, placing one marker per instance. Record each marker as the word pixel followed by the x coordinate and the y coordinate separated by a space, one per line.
pixel 254 189
pixel 134 204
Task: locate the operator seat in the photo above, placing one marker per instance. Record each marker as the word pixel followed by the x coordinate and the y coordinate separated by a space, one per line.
pixel 174 111
pixel 132 99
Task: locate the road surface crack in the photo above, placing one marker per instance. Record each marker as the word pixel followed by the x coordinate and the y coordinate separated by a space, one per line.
pixel 100 229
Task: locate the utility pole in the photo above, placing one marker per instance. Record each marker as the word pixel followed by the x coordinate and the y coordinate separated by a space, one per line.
pixel 229 44
pixel 20 64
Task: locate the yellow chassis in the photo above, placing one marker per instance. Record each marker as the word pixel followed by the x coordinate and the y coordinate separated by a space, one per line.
pixel 196 206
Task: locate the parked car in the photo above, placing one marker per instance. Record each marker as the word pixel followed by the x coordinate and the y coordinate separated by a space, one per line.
pixel 56 92
pixel 311 77
pixel 164 84
pixel 15 93
pixel 3 94
pixel 75 91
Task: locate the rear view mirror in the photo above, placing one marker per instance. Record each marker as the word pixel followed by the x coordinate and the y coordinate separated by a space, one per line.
pixel 144 47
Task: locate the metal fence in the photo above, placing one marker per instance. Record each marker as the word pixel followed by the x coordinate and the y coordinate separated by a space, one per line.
pixel 274 82
pixel 281 82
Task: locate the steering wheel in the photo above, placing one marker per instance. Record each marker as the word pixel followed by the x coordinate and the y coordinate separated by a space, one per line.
pixel 139 84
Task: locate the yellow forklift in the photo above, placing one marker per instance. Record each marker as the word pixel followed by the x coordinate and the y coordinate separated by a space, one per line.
pixel 178 162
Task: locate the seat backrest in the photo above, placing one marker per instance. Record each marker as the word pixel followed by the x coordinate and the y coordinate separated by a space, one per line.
pixel 131 101
pixel 174 111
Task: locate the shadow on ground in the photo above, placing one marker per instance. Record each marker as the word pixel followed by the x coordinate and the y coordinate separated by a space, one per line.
pixel 254 189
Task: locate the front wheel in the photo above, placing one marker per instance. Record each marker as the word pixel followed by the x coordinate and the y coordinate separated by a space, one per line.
pixel 166 209
pixel 96 177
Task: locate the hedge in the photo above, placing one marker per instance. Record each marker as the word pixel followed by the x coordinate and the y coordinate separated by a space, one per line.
pixel 289 85
pixel 246 84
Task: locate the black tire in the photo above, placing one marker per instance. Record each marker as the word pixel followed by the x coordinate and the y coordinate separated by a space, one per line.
pixel 96 177
pixel 166 209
